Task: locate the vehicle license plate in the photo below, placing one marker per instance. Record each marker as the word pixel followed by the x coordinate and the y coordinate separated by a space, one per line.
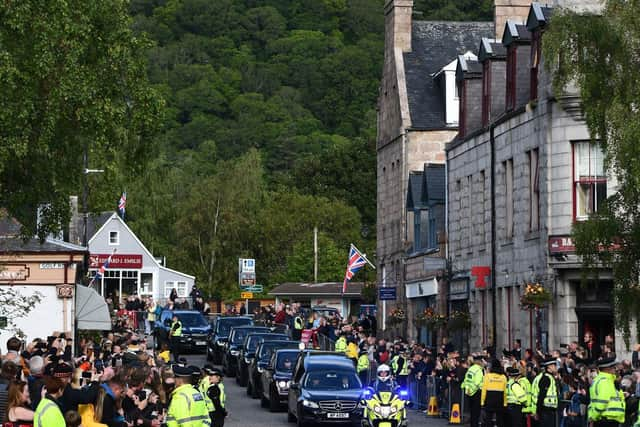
pixel 201 343
pixel 340 415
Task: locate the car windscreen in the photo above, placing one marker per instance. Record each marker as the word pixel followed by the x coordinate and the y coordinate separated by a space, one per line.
pixel 192 319
pixel 285 362
pixel 253 342
pixel 225 325
pixel 239 334
pixel 268 348
pixel 332 380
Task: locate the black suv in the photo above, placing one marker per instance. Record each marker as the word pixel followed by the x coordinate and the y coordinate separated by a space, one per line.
pixel 233 346
pixel 276 378
pixel 221 328
pixel 248 351
pixel 328 391
pixel 261 361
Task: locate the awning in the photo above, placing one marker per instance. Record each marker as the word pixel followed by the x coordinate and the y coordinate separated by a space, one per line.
pixel 92 312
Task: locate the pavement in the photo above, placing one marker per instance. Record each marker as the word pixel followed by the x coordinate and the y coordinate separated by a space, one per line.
pixel 246 412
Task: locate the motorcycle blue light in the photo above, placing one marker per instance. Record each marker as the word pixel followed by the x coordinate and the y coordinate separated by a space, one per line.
pixel 403 393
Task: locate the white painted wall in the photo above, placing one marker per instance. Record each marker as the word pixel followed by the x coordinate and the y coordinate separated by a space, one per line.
pixel 44 319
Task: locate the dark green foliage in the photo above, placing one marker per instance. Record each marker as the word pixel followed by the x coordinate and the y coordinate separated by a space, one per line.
pixel 455 10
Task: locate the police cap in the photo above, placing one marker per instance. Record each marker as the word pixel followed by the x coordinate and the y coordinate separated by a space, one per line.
pixel 513 372
pixel 182 371
pixel 548 361
pixel 607 362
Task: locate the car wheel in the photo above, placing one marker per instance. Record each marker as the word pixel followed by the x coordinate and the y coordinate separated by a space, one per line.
pixel 274 405
pixel 243 380
pixel 238 378
pixel 209 357
pixel 264 402
pixel 249 389
pixel 290 417
pixel 217 359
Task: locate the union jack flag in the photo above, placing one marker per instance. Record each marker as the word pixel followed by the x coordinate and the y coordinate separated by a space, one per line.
pixel 101 270
pixel 122 204
pixel 356 262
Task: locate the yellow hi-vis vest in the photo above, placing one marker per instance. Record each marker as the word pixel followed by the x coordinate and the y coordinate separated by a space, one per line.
pixel 526 386
pixel 607 403
pixel 341 345
pixel 516 395
pixel 203 387
pixel 298 323
pixel 48 414
pixel 363 363
pixel 473 380
pixel 187 408
pixel 550 400
pixel 178 331
pixel 405 366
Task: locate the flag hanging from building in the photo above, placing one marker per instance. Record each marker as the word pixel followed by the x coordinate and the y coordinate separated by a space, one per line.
pixel 100 273
pixel 122 204
pixel 355 263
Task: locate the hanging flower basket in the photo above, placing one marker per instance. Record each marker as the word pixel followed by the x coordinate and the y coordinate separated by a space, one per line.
pixel 459 320
pixel 535 296
pixel 396 316
pixel 431 319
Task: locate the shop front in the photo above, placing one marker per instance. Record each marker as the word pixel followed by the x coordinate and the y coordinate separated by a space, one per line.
pixel 459 301
pixel 422 295
pixel 328 294
pixel 130 268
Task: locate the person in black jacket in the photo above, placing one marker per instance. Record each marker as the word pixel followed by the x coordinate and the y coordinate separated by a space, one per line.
pixel 106 405
pixel 72 397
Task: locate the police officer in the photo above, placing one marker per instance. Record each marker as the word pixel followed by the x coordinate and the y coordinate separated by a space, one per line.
pixel 48 413
pixel 215 396
pixel 187 407
pixel 471 385
pixel 298 326
pixel 544 392
pixel 517 398
pixel 607 405
pixel 363 366
pixel 400 367
pixel 175 333
pixel 341 343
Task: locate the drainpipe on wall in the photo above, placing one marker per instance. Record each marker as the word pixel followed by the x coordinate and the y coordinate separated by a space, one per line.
pixel 494 305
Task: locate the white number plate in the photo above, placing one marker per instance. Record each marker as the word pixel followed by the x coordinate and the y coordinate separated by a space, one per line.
pixel 337 415
pixel 201 343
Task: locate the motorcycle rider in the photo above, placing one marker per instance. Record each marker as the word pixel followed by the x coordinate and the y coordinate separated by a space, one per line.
pixel 384 382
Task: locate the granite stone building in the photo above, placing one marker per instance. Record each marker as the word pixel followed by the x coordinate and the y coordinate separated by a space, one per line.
pixel 522 170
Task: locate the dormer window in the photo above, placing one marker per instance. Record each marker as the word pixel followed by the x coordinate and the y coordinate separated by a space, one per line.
pixel 114 238
pixel 536 51
pixel 512 67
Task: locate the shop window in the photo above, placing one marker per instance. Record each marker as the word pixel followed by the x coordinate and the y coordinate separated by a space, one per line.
pixel 589 179
pixel 114 237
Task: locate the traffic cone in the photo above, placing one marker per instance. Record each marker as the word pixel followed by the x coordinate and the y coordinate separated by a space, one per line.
pixel 433 407
pixel 455 414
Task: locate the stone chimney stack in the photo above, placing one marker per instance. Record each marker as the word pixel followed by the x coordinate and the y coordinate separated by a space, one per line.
pixel 515 10
pixel 397 24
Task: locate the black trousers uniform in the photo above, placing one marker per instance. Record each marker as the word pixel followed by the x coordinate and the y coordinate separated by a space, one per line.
pixel 219 412
pixel 514 416
pixel 475 408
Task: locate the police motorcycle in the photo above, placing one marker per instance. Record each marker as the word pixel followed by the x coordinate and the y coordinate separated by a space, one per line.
pixel 384 403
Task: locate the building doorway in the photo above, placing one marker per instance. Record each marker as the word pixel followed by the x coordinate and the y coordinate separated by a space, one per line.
pixel 595 310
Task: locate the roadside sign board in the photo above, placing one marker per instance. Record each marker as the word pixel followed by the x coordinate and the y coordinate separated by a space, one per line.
pixel 246 295
pixel 387 294
pixel 246 271
pixel 252 288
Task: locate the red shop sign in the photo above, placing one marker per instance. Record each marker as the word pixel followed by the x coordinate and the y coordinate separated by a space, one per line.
pixel 117 261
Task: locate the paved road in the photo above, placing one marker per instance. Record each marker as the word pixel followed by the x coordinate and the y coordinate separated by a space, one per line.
pixel 246 412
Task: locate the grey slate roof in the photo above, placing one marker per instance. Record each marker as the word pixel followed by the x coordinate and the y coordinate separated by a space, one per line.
pixel 434 45
pixel 327 288
pixel 18 245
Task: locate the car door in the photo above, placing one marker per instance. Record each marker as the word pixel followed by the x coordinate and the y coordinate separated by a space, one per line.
pixel 267 376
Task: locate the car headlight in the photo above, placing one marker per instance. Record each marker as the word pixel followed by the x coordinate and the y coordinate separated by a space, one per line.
pixel 247 360
pixel 260 370
pixel 235 352
pixel 283 385
pixel 310 404
pixel 220 343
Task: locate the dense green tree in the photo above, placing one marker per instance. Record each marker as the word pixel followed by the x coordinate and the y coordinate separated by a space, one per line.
pixel 331 261
pixel 72 79
pixel 594 56
pixel 459 10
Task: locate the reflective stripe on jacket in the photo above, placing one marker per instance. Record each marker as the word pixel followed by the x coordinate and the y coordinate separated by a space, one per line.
pixel 187 408
pixel 363 363
pixel 516 395
pixel 607 403
pixel 341 345
pixel 178 331
pixel 472 380
pixel 48 414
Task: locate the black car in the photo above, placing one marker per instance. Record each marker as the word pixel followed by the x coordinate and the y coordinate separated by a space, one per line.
pixel 195 329
pixel 261 361
pixel 248 350
pixel 221 328
pixel 233 346
pixel 276 378
pixel 329 391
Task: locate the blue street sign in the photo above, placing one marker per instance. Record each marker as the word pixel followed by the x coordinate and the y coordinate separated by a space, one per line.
pixel 386 294
pixel 252 288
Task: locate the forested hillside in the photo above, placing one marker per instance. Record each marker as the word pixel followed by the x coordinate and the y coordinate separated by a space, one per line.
pixel 269 130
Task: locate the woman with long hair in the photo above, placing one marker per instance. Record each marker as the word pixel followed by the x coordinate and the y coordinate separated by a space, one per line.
pixel 18 411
